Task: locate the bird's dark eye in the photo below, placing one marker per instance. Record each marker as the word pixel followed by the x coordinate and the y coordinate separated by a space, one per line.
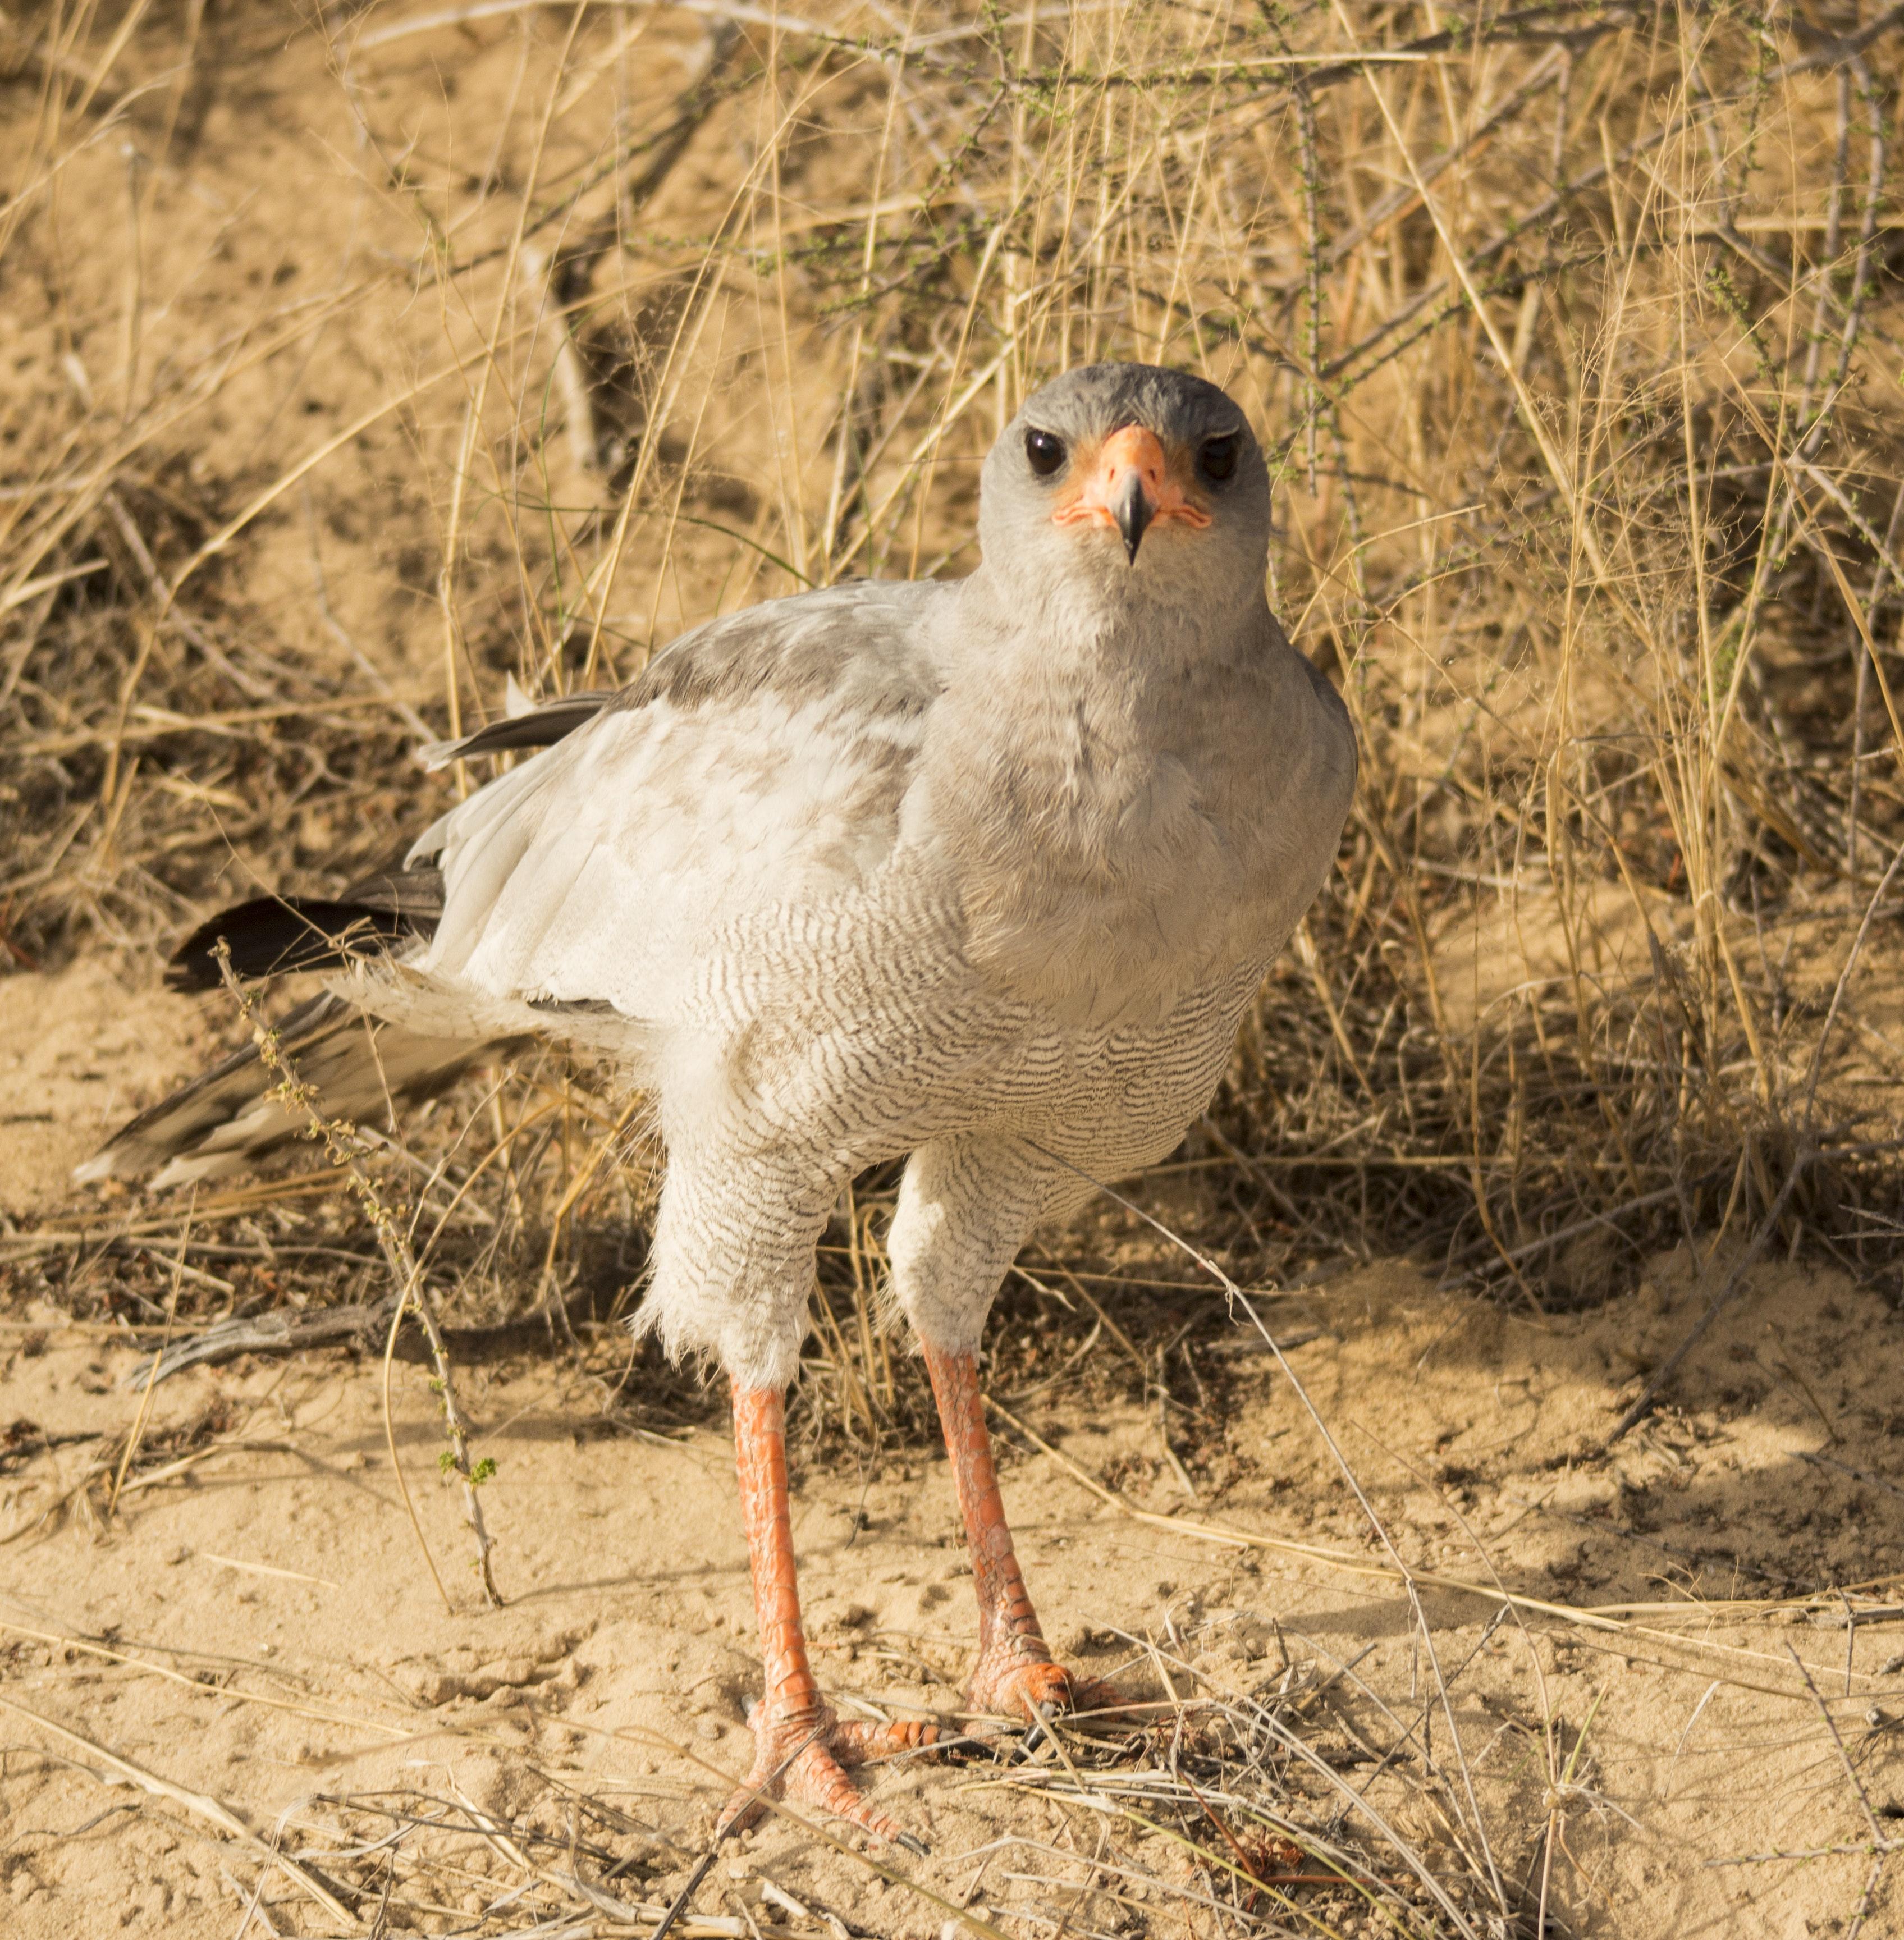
pixel 1217 460
pixel 1046 451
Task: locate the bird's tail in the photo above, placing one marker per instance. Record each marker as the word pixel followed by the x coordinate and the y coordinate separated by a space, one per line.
pixel 361 1067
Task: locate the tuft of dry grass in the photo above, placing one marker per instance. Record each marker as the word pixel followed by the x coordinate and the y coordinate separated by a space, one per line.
pixel 1573 330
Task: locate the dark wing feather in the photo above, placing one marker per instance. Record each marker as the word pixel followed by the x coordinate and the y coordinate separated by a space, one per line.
pixel 224 1120
pixel 211 1098
pixel 270 936
pixel 541 727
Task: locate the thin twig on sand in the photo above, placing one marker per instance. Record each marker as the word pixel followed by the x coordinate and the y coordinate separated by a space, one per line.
pixel 346 1151
pixel 200 1804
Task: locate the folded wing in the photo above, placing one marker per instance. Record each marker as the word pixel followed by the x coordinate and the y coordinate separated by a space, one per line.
pixel 759 763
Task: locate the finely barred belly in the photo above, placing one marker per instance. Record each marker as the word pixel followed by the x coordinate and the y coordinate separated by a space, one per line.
pixel 1126 1097
pixel 1008 1121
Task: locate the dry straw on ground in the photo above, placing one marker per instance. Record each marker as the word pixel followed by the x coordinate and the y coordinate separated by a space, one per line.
pixel 1576 334
pixel 1572 329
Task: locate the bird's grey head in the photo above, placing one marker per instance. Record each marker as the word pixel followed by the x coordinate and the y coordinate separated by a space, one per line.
pixel 1125 489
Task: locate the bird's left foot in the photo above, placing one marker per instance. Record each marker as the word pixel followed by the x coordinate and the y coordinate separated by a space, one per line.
pixel 1021 1679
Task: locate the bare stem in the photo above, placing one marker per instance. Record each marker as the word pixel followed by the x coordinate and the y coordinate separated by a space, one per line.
pixel 345 1147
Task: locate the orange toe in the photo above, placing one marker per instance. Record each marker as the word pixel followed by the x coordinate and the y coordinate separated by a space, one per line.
pixel 1014 1688
pixel 1011 1685
pixel 808 1766
pixel 816 1778
pixel 860 1741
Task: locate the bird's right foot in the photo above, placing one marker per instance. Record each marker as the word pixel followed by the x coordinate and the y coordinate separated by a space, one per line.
pixel 805 1759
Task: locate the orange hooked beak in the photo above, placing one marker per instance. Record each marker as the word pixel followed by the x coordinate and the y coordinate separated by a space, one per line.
pixel 1130 486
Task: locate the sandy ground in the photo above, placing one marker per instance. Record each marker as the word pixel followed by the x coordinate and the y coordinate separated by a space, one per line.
pixel 256 1627
pixel 253 1633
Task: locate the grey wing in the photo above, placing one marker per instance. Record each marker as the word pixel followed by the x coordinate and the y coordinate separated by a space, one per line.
pixel 758 765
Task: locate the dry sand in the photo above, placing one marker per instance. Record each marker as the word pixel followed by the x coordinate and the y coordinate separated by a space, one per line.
pixel 256 1629
pixel 279 1645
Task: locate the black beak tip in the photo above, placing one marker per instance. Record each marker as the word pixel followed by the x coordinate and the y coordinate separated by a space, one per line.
pixel 1132 513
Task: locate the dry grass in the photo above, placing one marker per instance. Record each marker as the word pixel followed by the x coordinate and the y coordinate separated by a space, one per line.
pixel 1577 334
pixel 1574 333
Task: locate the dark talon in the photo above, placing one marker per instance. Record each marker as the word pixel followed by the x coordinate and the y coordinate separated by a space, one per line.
pixel 913 1844
pixel 1040 1730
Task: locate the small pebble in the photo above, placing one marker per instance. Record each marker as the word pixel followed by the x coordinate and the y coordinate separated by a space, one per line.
pixel 709 1728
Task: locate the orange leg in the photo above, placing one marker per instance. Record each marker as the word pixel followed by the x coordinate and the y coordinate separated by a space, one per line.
pixel 1015 1676
pixel 800 1749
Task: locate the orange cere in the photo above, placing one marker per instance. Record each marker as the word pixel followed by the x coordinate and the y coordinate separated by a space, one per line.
pixel 1131 449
